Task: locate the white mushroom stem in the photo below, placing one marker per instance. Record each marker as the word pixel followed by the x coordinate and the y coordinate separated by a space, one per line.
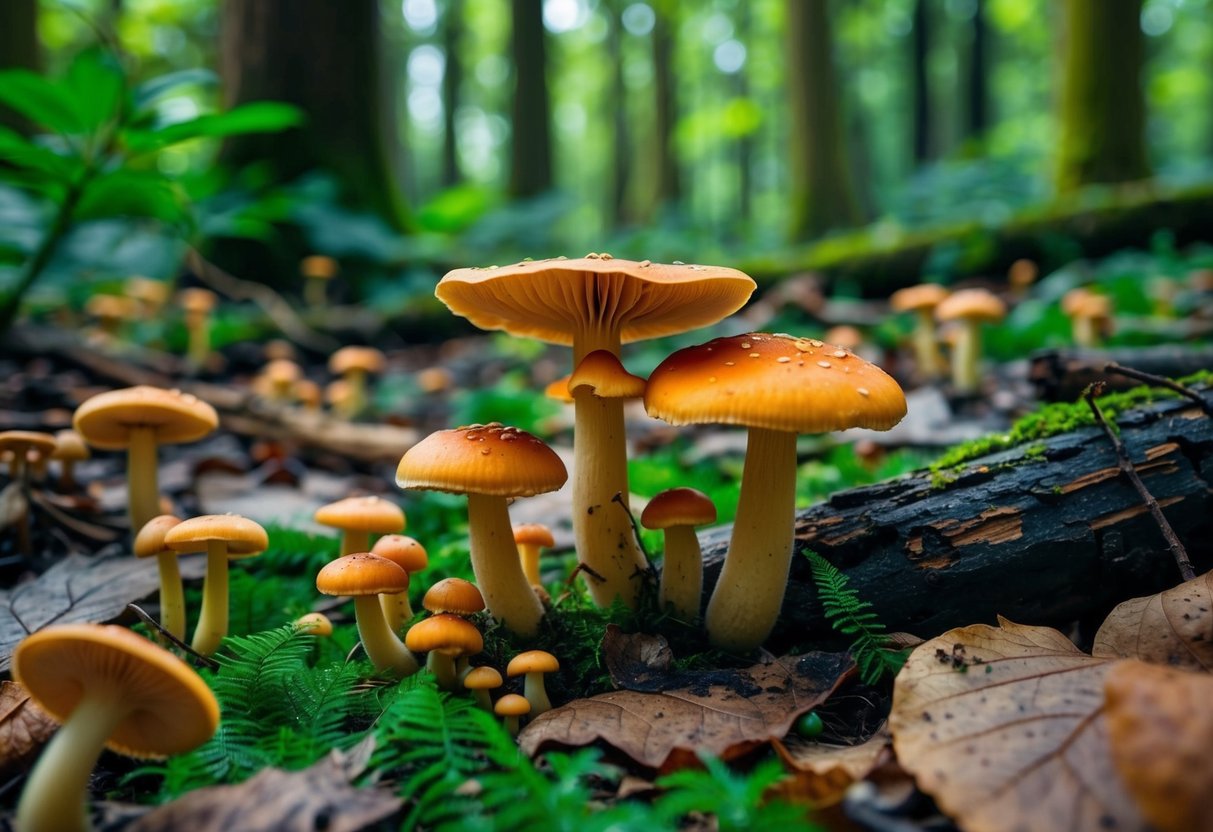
pixel 682 573
pixel 212 622
pixel 966 357
pixel 507 593
pixel 172 596
pixel 396 610
pixel 198 348
pixel 602 528
pixel 536 694
pixel 385 650
pixel 354 541
pixel 443 668
pixel 483 700
pixel 926 345
pixel 1085 331
pixel 511 725
pixel 745 603
pixel 56 792
pixel 356 379
pixel 142 477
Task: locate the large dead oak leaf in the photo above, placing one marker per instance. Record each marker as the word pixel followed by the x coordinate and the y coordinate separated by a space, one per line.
pixel 1004 727
pixel 725 713
pixel 1173 628
pixel 24 728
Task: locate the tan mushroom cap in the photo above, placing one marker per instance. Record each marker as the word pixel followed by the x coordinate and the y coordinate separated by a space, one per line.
pixel 314 624
pixel 149 542
pixel 482 459
pixel 922 296
pixel 533 534
pixel 105 420
pixel 606 376
pixel 318 265
pixel 552 300
pixel 774 381
pixel 972 305
pixel 361 574
pixel 678 507
pixel 512 705
pixel 23 441
pixel 532 661
pixel 449 635
pixel 559 390
pixel 244 537
pixel 363 514
pixel 283 371
pixel 70 447
pixel 1083 303
pixel 402 550
pixel 483 678
pixel 366 359
pixel 197 300
pixel 455 596
pixel 171 708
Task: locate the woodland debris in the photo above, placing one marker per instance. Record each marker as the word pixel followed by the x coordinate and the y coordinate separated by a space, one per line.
pixel 1060 375
pixel 1173 628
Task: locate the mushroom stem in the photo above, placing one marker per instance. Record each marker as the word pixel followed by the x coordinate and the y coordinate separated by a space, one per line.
pixel 1085 332
pixel 966 355
pixel 682 573
pixel 507 593
pixel 749 592
pixel 198 347
pixel 529 553
pixel 141 477
pixel 55 795
pixel 172 596
pixel 536 694
pixel 926 346
pixel 212 622
pixel 355 540
pixel 382 646
pixel 356 379
pixel 443 668
pixel 511 725
pixel 483 700
pixel 396 610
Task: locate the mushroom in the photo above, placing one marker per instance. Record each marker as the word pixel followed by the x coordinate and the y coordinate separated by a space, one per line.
pixel 777 386
pixel 444 638
pixel 23 444
pixel 410 556
pixel 511 708
pixel 678 511
pixel 197 304
pixel 530 538
pixel 110 312
pixel 1021 275
pixel 365 576
pixel 971 308
pixel 489 463
pixel 109 687
pixel 922 301
pixel 455 596
pixel 558 390
pixel 1089 314
pixel 151 295
pixel 480 680
pixel 69 449
pixel 281 375
pixel 597 303
pixel 149 542
pixel 534 664
pixel 314 624
pixel 221 536
pixel 140 419
pixel 354 364
pixel 317 270
pixel 358 517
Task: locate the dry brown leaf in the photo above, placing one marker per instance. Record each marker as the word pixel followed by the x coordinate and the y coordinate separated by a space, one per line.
pixel 1004 727
pixel 24 728
pixel 726 713
pixel 1173 628
pixel 1160 725
pixel 821 773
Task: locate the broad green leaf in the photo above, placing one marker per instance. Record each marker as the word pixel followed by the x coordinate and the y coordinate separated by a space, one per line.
pixel 154 88
pixel 23 153
pixel 258 117
pixel 95 82
pixel 40 100
pixel 124 193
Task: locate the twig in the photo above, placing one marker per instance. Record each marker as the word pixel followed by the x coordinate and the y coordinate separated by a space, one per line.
pixel 207 661
pixel 1160 381
pixel 618 498
pixel 1126 466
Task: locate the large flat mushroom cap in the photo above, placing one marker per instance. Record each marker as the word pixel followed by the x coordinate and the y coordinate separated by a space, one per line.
pixel 362 574
pixel 243 537
pixel 482 459
pixel 552 300
pixel 362 514
pixel 105 420
pixel 774 381
pixel 171 710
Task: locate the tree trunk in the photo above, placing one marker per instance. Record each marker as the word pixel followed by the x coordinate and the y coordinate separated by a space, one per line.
pixel 920 53
pixel 977 89
pixel 667 178
pixel 1044 534
pixel 452 79
pixel 621 146
pixel 745 143
pixel 18 48
pixel 1103 107
pixel 822 190
pixel 323 57
pixel 531 168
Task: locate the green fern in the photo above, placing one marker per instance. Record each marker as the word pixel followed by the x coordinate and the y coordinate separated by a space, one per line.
pixel 853 617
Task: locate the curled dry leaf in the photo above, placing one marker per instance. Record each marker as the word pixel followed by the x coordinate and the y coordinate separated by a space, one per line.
pixel 1173 628
pixel 726 713
pixel 1004 727
pixel 24 728
pixel 821 773
pixel 1161 730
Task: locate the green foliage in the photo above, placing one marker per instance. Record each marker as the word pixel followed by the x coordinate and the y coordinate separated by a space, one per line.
pixel 737 800
pixel 853 617
pixel 511 401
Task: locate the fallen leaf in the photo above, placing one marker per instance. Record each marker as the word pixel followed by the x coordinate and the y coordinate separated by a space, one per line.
pixel 1161 730
pixel 1004 727
pixel 821 773
pixel 24 728
pixel 637 661
pixel 318 797
pixel 1174 627
pixel 726 713
pixel 80 589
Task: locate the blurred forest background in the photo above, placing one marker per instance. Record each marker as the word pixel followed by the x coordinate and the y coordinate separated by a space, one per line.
pixel 890 140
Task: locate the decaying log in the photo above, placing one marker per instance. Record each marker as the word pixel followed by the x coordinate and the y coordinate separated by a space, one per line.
pixel 1060 375
pixel 1048 534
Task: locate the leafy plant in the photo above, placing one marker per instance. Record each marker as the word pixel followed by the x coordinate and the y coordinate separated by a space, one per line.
pixel 853 617
pixel 738 801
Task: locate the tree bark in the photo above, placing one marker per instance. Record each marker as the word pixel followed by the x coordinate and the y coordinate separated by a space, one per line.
pixel 1103 106
pixel 1044 536
pixel 822 190
pixel 18 48
pixel 977 88
pixel 920 54
pixel 452 79
pixel 621 145
pixel 531 148
pixel 667 178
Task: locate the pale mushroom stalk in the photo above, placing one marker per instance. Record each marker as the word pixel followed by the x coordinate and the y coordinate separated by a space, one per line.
pixel 396 610
pixel 602 528
pixel 142 476
pixel 198 347
pixel 212 622
pixel 966 357
pixel 535 693
pixel 443 668
pixel 54 795
pixel 383 647
pixel 926 346
pixel 749 592
pixel 355 540
pixel 357 382
pixel 172 595
pixel 498 569
pixel 483 700
pixel 682 573
pixel 529 552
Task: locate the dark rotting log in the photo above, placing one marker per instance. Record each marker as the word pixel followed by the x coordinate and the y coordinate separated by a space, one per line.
pixel 1060 375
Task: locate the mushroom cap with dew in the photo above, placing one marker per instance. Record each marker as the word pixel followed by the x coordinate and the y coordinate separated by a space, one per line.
pixel 483 678
pixel 606 377
pixel 450 635
pixel 774 381
pixel 512 705
pixel 357 359
pixel 552 300
pixel 171 708
pixel 971 305
pixel 532 661
pixel 361 574
pixel 402 550
pixel 453 595
pixel 243 537
pixel 107 419
pixel 533 534
pixel 915 298
pixel 149 542
pixel 678 507
pixel 482 459
pixel 364 514
pixel 70 447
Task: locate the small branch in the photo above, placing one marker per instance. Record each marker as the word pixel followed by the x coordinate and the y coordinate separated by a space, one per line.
pixel 618 498
pixel 165 635
pixel 1160 381
pixel 1126 466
